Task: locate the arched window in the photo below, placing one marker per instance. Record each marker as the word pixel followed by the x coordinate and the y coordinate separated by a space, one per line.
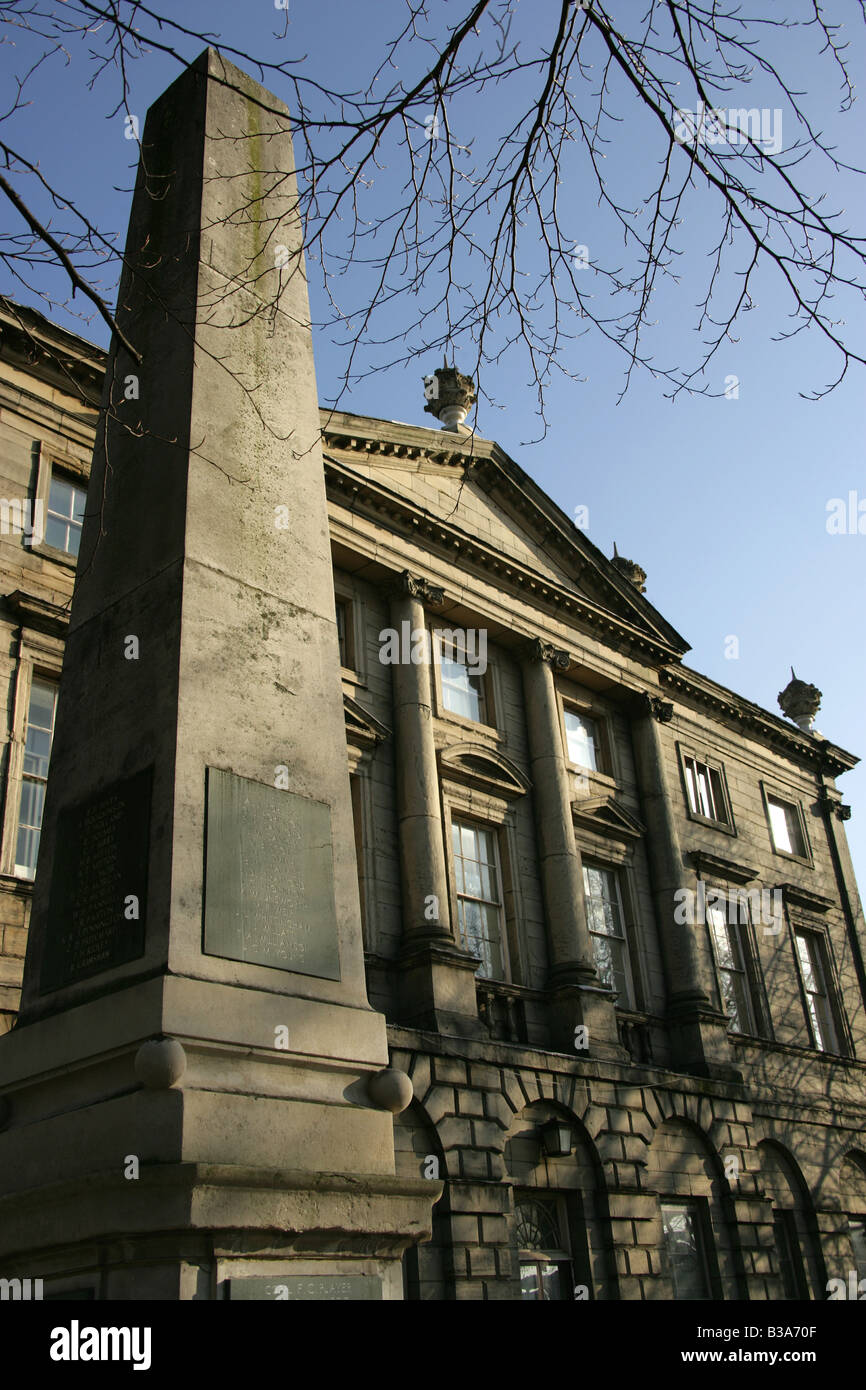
pixel 688 1240
pixel 700 1256
pixel 541 1231
pixel 801 1266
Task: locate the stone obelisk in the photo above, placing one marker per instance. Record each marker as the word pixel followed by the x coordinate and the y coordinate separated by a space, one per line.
pixel 196 1101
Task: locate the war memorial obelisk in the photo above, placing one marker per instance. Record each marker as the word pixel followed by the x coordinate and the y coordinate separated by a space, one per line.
pixel 196 1101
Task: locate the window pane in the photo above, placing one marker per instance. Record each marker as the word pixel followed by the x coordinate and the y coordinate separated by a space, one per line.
pixel 610 964
pixel 607 930
pixel 809 956
pixel 685 1256
pixel 718 796
pixel 581 736
pixel 785 827
pixel 704 788
pixel 37 750
pixel 472 878
pixel 705 801
pixel 462 691
pixel 537 1226
pixel 691 785
pixel 721 938
pixel 60 497
pixel 827 1027
pixel 737 1003
pixel 602 900
pixel 55 532
pixel 552 1282
pixel 65 514
pixel 806 963
pixel 779 826
pixel 479 907
pixel 733 981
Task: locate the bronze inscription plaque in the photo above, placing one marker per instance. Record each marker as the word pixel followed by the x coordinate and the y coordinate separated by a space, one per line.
pixel 97 901
pixel 269 877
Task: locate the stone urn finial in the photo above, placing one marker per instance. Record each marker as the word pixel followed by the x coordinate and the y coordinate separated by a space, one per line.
pixel 450 396
pixel 633 572
pixel 800 702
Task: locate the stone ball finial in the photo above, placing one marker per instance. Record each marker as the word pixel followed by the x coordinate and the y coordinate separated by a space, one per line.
pixel 632 572
pixel 450 396
pixel 800 702
pixel 390 1089
pixel 160 1063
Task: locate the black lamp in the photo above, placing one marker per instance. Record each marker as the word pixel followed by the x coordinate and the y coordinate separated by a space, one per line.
pixel 556 1137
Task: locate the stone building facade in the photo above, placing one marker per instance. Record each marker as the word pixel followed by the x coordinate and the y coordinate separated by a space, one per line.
pixel 608 905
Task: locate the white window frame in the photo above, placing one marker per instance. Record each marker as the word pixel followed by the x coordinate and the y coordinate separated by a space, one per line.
pixel 35 662
pixel 598 743
pixel 819 964
pixel 792 803
pixel 722 816
pixel 459 821
pixel 487 703
pixel 78 472
pixel 735 933
pixel 614 872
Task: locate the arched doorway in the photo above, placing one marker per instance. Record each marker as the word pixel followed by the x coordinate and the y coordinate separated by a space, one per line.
pixel 560 1228
pixel 798 1248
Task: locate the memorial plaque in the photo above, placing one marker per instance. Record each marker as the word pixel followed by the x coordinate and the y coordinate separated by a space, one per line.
pixel 97 903
pixel 269 877
pixel 294 1288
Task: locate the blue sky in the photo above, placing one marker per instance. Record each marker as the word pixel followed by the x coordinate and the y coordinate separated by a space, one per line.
pixel 723 501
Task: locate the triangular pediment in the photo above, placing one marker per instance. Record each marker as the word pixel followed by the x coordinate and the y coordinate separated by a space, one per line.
pixel 605 815
pixel 467 494
pixel 481 767
pixel 362 728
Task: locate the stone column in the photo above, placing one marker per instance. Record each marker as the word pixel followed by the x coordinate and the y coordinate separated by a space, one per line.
pixel 437 985
pixel 698 1032
pixel 576 993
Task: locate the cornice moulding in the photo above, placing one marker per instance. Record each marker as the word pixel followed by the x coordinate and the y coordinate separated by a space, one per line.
pixel 38 612
pixel 714 866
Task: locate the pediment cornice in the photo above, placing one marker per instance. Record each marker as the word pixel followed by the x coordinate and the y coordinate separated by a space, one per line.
pixel 606 816
pixel 482 768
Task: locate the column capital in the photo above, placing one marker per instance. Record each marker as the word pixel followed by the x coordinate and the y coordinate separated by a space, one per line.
pixel 653 705
pixel 537 650
pixel 408 585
